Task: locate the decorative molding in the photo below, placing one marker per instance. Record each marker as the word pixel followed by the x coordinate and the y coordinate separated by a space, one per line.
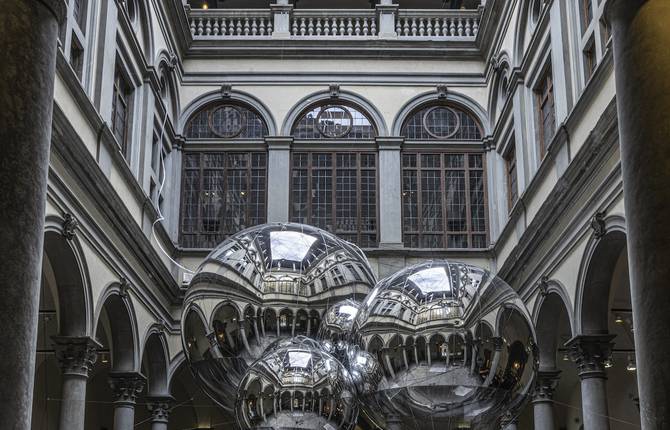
pixel 226 91
pixel 442 92
pixel 124 286
pixel 543 285
pixel 160 408
pixel 126 386
pixel 334 90
pixel 76 355
pixel 598 224
pixel 589 352
pixel 70 225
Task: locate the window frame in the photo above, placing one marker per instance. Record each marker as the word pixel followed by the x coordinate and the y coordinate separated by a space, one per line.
pixel 445 232
pixel 544 93
pixel 334 150
pixel 225 151
pixel 592 34
pixel 511 172
pixel 71 34
pixel 124 95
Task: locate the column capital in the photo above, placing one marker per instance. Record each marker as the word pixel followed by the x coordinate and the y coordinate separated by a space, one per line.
pixel 590 352
pixel 57 7
pixel 389 143
pixel 126 386
pixel 508 420
pixel 545 385
pixel 76 354
pixel 279 142
pixel 159 406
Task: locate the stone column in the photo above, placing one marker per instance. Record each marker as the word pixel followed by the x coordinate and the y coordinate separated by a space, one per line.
pixel 590 352
pixel 28 38
pixel 159 406
pixel 243 335
pixel 390 189
pixel 543 399
pixel 641 37
pixel 279 180
pixel 125 388
pixel 495 361
pixel 76 356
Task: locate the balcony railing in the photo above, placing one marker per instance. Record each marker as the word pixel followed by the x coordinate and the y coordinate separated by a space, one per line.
pixel 402 24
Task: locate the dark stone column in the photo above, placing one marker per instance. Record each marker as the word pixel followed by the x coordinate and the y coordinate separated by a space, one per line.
pixel 590 352
pixel 159 406
pixel 28 35
pixel 543 399
pixel 76 356
pixel 125 386
pixel 641 36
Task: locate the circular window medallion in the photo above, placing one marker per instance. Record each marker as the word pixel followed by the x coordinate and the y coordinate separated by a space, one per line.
pixel 441 122
pixel 334 121
pixel 226 121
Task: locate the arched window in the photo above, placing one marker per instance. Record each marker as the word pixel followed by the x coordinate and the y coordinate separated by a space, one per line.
pixel 443 187
pixel 223 186
pixel 334 183
pixel 226 121
pixel 334 121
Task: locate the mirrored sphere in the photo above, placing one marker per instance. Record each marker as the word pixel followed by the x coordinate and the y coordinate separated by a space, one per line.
pixel 336 325
pixel 455 344
pixel 262 285
pixel 296 387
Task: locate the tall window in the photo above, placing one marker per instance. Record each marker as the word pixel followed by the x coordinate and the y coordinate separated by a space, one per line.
pixel 593 35
pixel 443 190
pixel 120 110
pixel 223 188
pixel 546 114
pixel 512 186
pixel 444 202
pixel 223 193
pixel 336 189
pixel 72 34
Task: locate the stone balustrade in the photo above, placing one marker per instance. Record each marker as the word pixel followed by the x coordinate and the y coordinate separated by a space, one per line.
pixel 409 24
pixel 418 23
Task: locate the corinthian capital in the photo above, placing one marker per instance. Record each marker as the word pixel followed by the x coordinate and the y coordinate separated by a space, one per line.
pixel 590 352
pixel 76 355
pixel 126 386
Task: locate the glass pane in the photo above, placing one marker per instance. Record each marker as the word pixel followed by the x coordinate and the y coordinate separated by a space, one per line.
pixel 455 194
pixel 431 201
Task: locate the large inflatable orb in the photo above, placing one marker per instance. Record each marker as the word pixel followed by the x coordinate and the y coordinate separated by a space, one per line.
pixel 260 286
pixel 335 330
pixel 455 344
pixel 296 387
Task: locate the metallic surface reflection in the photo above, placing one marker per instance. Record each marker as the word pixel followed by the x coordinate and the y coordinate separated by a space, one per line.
pixel 455 344
pixel 265 284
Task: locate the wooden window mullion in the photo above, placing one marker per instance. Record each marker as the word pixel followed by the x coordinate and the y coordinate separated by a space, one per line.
pixel 468 206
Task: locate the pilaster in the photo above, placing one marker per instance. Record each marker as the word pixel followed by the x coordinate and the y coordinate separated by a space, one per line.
pixel 390 192
pixel 278 179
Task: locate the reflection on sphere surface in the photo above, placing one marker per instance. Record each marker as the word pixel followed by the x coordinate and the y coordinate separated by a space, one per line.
pixel 260 286
pixel 455 344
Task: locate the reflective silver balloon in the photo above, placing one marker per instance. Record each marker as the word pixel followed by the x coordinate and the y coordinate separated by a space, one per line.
pixel 264 284
pixel 296 387
pixel 456 345
pixel 336 325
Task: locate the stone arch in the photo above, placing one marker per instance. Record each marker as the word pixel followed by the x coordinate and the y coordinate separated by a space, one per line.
pixel 221 310
pixel 117 324
pixel 457 99
pixel 155 362
pixel 66 266
pixel 342 96
pixel 168 82
pixel 232 95
pixel 502 70
pixel 595 277
pixel 553 324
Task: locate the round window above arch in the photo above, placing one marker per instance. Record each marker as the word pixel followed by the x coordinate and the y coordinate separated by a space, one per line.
pixel 226 120
pixel 441 122
pixel 334 121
